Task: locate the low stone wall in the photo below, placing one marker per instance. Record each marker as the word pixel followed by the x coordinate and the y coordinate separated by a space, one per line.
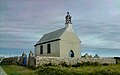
pixel 10 61
pixel 70 61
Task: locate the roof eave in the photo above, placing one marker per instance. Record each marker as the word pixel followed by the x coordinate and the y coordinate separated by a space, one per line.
pixel 46 42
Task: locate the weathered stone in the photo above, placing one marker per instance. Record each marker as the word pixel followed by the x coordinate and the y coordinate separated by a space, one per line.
pixel 70 61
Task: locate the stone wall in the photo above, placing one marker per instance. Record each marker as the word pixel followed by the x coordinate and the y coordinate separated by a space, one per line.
pixel 117 60
pixel 70 61
pixel 10 60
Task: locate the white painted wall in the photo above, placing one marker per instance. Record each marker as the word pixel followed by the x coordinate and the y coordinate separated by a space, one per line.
pixel 37 50
pixel 66 46
pixel 55 49
pixel 69 41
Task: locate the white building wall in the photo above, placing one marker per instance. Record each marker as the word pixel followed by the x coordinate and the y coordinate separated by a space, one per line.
pixel 66 46
pixel 69 41
pixel 44 50
pixel 55 49
pixel 37 50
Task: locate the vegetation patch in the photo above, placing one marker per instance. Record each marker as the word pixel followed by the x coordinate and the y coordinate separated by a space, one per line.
pixel 77 69
pixel 17 70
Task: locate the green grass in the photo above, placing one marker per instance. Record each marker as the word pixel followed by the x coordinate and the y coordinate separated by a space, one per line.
pixel 17 70
pixel 85 70
pixel 59 70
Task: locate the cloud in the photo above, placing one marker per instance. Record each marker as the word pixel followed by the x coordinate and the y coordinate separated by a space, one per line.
pixel 23 22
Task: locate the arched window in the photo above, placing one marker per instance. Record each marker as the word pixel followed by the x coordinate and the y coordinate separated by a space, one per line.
pixel 71 54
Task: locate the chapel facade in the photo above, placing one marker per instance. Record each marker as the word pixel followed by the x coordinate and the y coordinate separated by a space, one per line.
pixel 60 43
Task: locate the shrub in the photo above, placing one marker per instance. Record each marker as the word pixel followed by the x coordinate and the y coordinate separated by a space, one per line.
pixel 85 63
pixel 105 64
pixel 55 71
pixel 95 64
pixel 77 65
pixel 64 64
pixel 50 71
pixel 49 64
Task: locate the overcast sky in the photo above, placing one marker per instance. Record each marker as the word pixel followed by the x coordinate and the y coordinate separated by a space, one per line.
pixel 96 22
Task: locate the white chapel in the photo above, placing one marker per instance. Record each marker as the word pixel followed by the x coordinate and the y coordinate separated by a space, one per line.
pixel 60 43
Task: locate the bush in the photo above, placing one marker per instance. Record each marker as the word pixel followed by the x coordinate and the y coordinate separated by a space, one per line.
pixel 105 64
pixel 64 64
pixel 49 71
pixel 55 71
pixel 107 72
pixel 85 63
pixel 49 64
pixel 77 65
pixel 95 64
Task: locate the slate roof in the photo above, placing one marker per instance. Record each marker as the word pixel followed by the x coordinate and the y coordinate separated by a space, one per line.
pixel 52 35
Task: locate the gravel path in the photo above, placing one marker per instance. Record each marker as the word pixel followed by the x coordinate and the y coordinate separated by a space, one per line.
pixel 2 72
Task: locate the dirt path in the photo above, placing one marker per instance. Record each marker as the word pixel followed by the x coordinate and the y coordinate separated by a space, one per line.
pixel 2 72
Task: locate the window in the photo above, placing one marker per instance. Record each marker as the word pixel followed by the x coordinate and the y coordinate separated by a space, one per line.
pixel 48 48
pixel 41 49
pixel 71 53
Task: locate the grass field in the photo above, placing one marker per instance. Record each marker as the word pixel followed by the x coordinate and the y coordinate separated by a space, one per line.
pixel 59 70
